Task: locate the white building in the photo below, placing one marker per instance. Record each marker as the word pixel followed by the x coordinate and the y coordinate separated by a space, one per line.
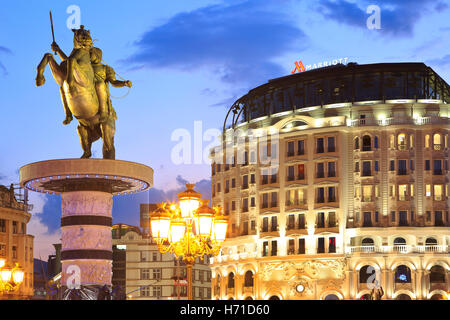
pixel 332 178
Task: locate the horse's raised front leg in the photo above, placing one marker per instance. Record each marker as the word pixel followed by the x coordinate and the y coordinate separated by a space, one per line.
pixel 57 71
pixel 40 79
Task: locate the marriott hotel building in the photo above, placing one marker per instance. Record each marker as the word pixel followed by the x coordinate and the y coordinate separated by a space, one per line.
pixel 333 178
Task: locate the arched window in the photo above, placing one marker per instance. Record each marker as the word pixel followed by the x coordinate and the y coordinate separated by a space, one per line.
pixel 401 141
pixel 411 141
pixel 366 143
pixel 367 242
pixel 437 141
pixel 399 242
pixel 331 297
pixel 249 298
pixel 427 141
pixel 365 273
pixel 231 280
pixel 365 297
pixel 403 297
pixel 402 274
pixel 437 274
pixel 437 296
pixel 356 143
pixel 430 242
pixel 248 279
pixel 274 298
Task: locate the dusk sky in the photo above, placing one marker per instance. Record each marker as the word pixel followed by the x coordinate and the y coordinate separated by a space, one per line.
pixel 188 61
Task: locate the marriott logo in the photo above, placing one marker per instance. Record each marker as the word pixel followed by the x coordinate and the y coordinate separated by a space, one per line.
pixel 299 67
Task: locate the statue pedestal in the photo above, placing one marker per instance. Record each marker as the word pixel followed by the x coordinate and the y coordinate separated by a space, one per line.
pixel 86 187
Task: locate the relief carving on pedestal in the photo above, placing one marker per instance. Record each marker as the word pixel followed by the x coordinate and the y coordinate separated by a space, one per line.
pixel 98 272
pixel 86 203
pixel 86 237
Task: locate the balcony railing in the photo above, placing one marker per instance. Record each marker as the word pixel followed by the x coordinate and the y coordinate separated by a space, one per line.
pixel 399 249
pixel 397 120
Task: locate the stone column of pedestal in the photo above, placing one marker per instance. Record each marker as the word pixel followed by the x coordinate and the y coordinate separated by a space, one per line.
pixel 86 238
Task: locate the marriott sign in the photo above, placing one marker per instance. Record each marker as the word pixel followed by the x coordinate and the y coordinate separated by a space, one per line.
pixel 300 67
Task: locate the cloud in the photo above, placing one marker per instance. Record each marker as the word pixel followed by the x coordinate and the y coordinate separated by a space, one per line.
pixel 235 41
pixel 440 62
pixel 4 50
pixel 398 17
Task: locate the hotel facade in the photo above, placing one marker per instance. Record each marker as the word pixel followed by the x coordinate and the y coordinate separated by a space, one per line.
pixel 333 178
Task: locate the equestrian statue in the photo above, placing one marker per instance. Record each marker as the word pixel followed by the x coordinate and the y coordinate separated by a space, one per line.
pixel 84 86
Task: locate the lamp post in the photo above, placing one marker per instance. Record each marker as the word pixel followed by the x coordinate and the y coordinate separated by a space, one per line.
pixel 10 278
pixel 190 230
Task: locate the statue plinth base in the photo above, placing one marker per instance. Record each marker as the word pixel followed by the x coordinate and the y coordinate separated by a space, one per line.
pixel 86 187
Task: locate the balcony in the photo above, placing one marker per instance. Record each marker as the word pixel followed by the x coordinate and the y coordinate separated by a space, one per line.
pixel 294 204
pixel 427 249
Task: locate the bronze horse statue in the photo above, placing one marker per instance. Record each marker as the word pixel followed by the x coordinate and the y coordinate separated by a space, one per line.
pixel 81 92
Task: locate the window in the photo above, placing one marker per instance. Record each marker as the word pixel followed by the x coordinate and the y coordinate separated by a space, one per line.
pixel 290 148
pixel 321 245
pixel 365 273
pixel 331 169
pixel 320 195
pixel 252 178
pixel 332 245
pixel 320 170
pixel 15 227
pixel 231 280
pixel 331 145
pixel 376 166
pixel 301 172
pixel 291 247
pixel 401 141
pixel 157 274
pixel 427 165
pixel 427 141
pixel 265 251
pixel 401 169
pixel 301 147
pixel 145 291
pixel 301 246
pixel 157 291
pixel 14 252
pixel 331 194
pixel 437 167
pixel 319 145
pixel 402 274
pixel 375 142
pixel 265 201
pixel 367 219
pixel 248 279
pixel 366 169
pixel 245 205
pixel 356 143
pixel 392 165
pixel 274 250
pixel 366 143
pixel 301 221
pixel 265 226
pixel 2 250
pixel 291 174
pixel 321 220
pixel 438 192
pixel 437 143
pixel 274 224
pixel 291 222
pixel 145 274
pixel 245 182
pixel 2 225
pixel 274 201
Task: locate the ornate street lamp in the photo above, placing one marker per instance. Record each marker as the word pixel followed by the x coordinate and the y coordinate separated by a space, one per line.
pixel 190 230
pixel 10 278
